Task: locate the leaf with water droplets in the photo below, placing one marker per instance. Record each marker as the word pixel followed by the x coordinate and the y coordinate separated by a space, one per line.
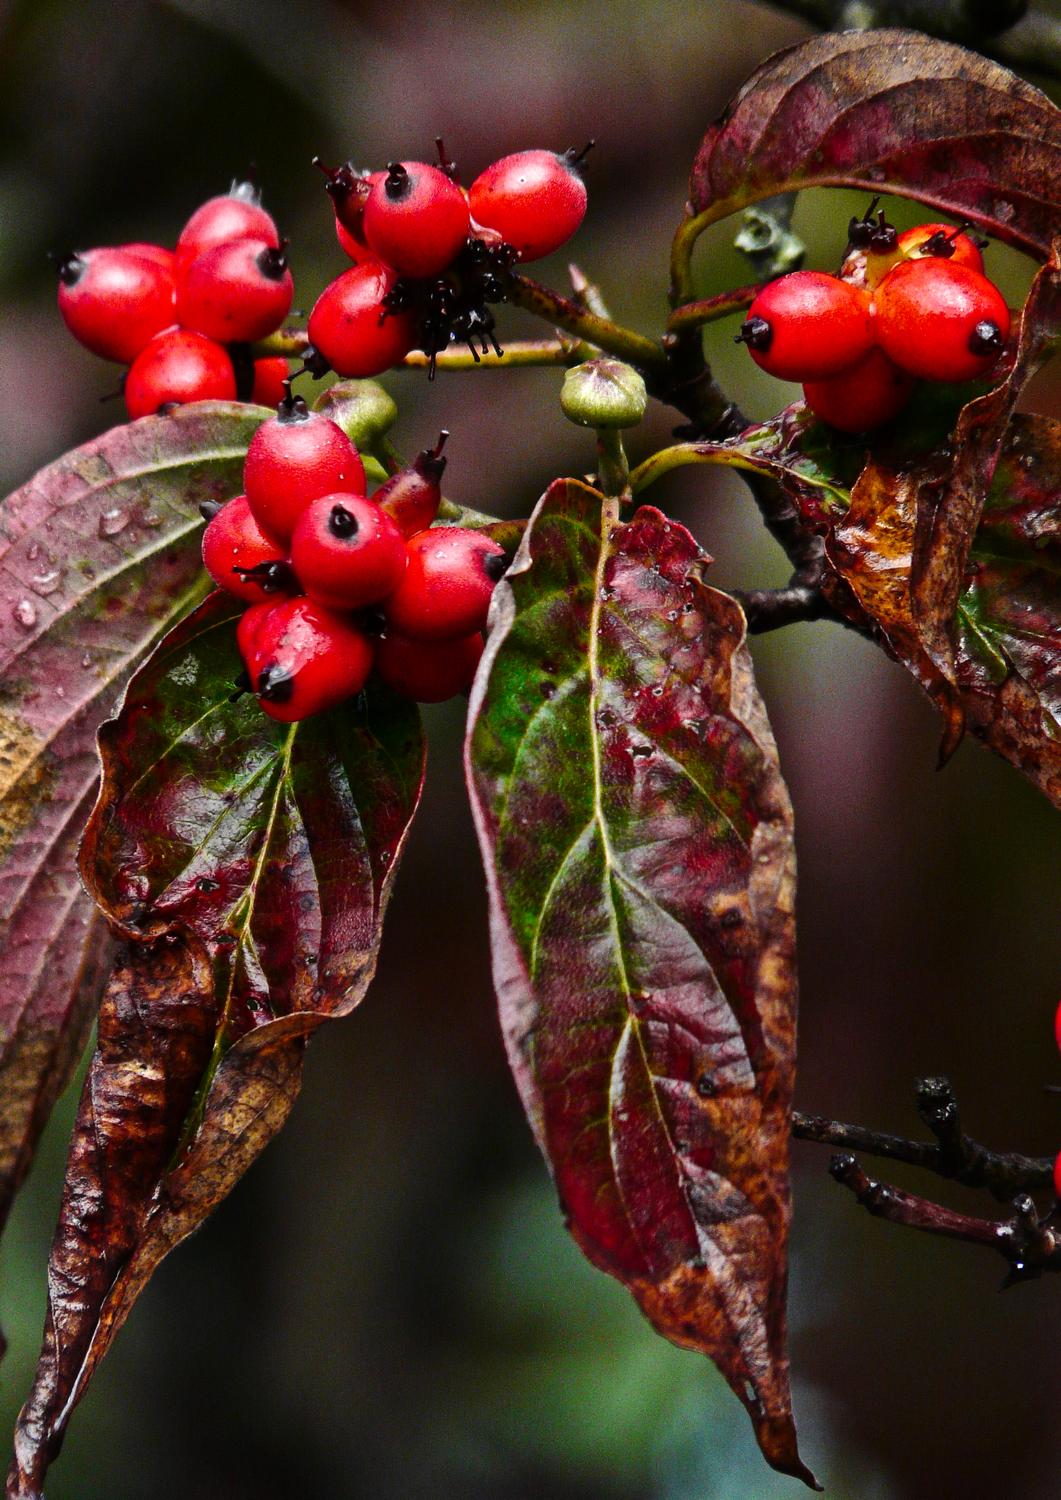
pixel 638 844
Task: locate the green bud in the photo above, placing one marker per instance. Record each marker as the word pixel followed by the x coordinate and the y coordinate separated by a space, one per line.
pixel 361 408
pixel 603 393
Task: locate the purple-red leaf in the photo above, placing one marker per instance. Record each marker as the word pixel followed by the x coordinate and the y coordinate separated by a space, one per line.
pixel 891 112
pixel 637 838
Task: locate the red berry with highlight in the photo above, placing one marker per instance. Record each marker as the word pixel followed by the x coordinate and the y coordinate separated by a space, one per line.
pixel 177 367
pixel 236 292
pixel 347 552
pixel 294 458
pixel 416 218
pixel 941 321
pixel 351 328
pixel 412 497
pixel 447 586
pixel 248 625
pixel 237 215
pixel 241 558
pixel 429 671
pixel 1057 1176
pixel 808 326
pixel 941 242
pixel 302 659
pixel 269 388
pixel 156 253
pixel 114 301
pixel 868 395
pixel 535 200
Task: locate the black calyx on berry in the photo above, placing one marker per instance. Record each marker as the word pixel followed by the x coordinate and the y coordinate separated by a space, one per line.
pixel 342 523
pixel 71 268
pixel 575 159
pixel 495 565
pixel 272 262
pixel 431 463
pixel 444 164
pixel 986 338
pixel 859 230
pixel 275 577
pixel 756 333
pixel 275 683
pixel 397 183
pixel 208 509
pixel 292 409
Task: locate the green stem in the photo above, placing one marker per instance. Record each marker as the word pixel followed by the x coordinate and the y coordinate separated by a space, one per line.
pixel 708 309
pixel 519 353
pixel 613 470
pixel 292 343
pixel 562 312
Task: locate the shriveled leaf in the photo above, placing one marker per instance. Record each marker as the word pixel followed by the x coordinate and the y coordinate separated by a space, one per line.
pixel 637 838
pixel 260 857
pixel 99 554
pixel 892 112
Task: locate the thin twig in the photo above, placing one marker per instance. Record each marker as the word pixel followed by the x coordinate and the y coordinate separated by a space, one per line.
pixel 770 609
pixel 708 309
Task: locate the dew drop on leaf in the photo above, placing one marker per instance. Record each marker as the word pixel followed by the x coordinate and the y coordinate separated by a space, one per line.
pixel 25 614
pixel 46 583
pixel 111 522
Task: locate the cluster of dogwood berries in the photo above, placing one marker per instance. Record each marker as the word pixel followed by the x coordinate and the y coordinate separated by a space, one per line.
pixel 338 584
pixel 905 307
pixel 182 319
pixel 429 256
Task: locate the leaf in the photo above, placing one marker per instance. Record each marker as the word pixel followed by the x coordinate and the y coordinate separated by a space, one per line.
pixel 99 553
pixel 637 838
pixel 250 863
pixel 892 112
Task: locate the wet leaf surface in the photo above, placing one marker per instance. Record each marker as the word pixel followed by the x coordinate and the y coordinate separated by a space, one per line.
pixel 637 838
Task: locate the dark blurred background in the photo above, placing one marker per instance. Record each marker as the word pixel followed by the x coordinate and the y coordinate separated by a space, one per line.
pixel 387 1306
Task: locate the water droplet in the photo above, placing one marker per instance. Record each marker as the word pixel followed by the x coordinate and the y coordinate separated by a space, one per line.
pixel 86 660
pixel 89 572
pixel 46 583
pixel 688 607
pixel 113 521
pixel 657 691
pixel 607 718
pixel 34 551
pixel 694 726
pixel 606 593
pixel 385 857
pixel 547 689
pixel 672 614
pixel 876 174
pixel 150 520
pixel 205 885
pixel 60 692
pixel 25 613
pixel 705 1086
pixel 1003 210
pixel 641 752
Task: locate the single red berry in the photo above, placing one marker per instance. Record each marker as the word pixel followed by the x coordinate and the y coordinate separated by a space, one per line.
pixel 303 658
pixel 416 219
pixel 351 328
pixel 1057 1176
pixel 269 388
pixel 412 497
pixel 241 558
pixel 114 301
pixel 807 326
pixel 347 552
pixel 294 458
pixel 447 585
pixel 941 242
pixel 1057 1027
pixel 535 200
pixel 941 321
pixel 177 367
pixel 868 395
pixel 356 249
pixel 235 293
pixel 157 253
pixel 429 671
pixel 248 625
pixel 349 189
pixel 237 215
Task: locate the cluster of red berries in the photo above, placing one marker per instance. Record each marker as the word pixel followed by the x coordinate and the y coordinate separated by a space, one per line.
pixel 339 584
pixel 904 307
pixel 430 257
pixel 182 319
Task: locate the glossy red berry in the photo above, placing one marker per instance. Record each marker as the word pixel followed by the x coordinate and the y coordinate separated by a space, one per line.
pixel 447 585
pixel 177 367
pixel 236 292
pixel 237 215
pixel 356 249
pixel 302 658
pixel 941 321
pixel 269 377
pixel 352 330
pixel 416 218
pixel 535 200
pixel 114 301
pixel 347 552
pixel 429 671
pixel 412 497
pixel 808 325
pixel 157 253
pixel 868 395
pixel 241 558
pixel 941 242
pixel 349 189
pixel 1057 1027
pixel 1057 1176
pixel 294 458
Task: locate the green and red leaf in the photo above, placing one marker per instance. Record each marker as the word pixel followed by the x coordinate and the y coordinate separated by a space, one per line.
pixel 637 838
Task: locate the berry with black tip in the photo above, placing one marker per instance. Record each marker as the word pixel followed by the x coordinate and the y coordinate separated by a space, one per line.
pixel 236 292
pixel 269 385
pixel 177 367
pixel 447 586
pixel 293 459
pixel 347 552
pixel 114 300
pixel 428 671
pixel 941 321
pixel 535 200
pixel 243 559
pixel 302 658
pixel 352 328
pixel 866 396
pixel 235 215
pixel 807 326
pixel 941 242
pixel 416 219
pixel 412 497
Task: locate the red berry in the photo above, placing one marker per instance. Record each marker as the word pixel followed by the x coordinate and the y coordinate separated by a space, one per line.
pixel 356 249
pixel 269 376
pixel 114 301
pixel 429 671
pixel 412 497
pixel 177 367
pixel 941 241
pixel 353 331
pixel 447 585
pixel 347 552
pixel 235 293
pixel 156 253
pixel 416 218
pixel 535 200
pixel 868 395
pixel 941 321
pixel 302 658
pixel 294 458
pixel 1057 1027
pixel 807 326
pixel 237 215
pixel 349 189
pixel 1057 1176
pixel 249 623
pixel 241 558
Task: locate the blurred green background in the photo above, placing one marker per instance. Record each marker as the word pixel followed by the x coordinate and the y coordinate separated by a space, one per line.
pixel 387 1306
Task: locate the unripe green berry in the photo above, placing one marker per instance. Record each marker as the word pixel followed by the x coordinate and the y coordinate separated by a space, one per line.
pixel 603 393
pixel 363 409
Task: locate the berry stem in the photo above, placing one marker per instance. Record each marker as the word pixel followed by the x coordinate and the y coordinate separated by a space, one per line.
pixel 613 470
pixel 708 309
pixel 521 353
pixel 602 333
pixel 679 454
